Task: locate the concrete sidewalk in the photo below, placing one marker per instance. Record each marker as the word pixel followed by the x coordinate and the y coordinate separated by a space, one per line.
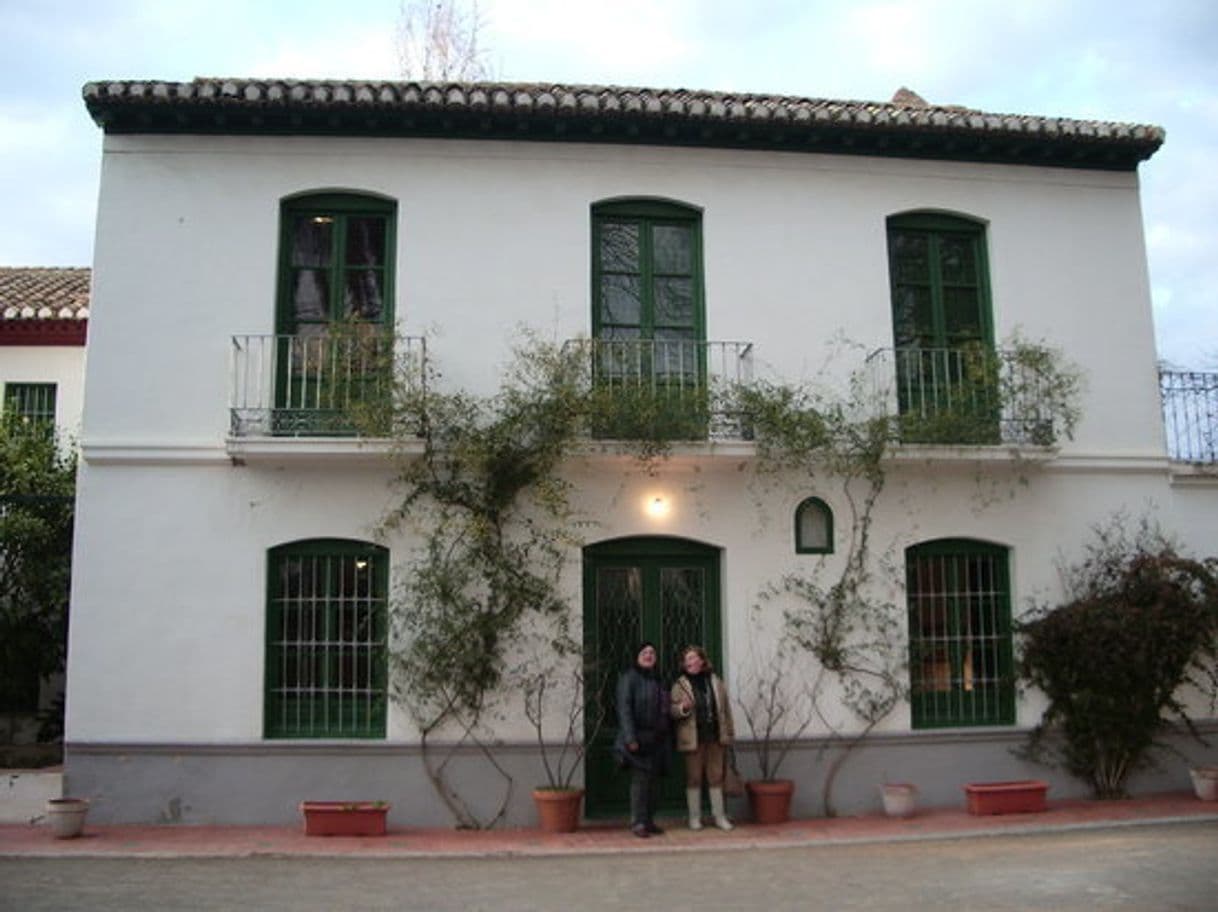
pixel 190 841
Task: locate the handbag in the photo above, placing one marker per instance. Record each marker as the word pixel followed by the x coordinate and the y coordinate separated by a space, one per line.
pixel 733 782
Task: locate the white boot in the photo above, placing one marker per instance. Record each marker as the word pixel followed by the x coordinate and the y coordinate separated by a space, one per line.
pixel 716 801
pixel 693 799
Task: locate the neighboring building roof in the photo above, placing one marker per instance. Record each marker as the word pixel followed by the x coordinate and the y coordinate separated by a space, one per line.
pixel 43 305
pixel 905 127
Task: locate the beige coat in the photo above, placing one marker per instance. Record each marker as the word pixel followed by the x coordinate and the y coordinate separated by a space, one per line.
pixel 687 725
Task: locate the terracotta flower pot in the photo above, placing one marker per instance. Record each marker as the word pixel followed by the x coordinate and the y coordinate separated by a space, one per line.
pixel 344 818
pixel 1205 782
pixel 558 809
pixel 770 800
pixel 1022 796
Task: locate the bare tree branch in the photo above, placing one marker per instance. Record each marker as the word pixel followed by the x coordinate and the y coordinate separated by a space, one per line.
pixel 439 41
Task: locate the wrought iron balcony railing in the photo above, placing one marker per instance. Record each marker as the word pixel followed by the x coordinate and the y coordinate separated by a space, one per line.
pixel 973 396
pixel 666 387
pixel 1190 414
pixel 311 385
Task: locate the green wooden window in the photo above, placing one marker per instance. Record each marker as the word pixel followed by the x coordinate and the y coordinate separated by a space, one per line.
pixel 336 261
pixel 813 527
pixel 940 281
pixel 961 666
pixel 647 284
pixel 335 312
pixel 32 403
pixel 327 608
pixel 947 383
pixel 648 317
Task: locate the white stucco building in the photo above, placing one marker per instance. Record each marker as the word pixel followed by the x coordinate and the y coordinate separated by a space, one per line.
pixel 739 236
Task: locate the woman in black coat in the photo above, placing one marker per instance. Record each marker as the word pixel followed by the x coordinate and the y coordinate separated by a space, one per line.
pixel 642 736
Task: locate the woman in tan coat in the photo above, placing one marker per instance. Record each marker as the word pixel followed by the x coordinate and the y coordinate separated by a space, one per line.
pixel 704 729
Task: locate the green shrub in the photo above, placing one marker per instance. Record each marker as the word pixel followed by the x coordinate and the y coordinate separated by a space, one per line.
pixel 1140 623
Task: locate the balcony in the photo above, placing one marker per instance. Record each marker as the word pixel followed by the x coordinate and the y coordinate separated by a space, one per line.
pixel 1190 415
pixel 665 388
pixel 320 385
pixel 972 396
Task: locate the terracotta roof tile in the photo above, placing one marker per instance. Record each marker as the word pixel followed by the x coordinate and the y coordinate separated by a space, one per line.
pixel 44 293
pixel 591 113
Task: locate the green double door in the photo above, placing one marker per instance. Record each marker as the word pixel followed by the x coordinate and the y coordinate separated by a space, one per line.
pixel 663 590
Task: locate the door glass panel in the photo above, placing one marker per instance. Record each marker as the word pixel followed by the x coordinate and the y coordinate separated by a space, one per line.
pixel 621 299
pixel 311 239
pixel 963 314
pixel 619 247
pixel 363 298
pixel 682 599
pixel 619 616
pixel 676 353
pixel 674 302
pixel 910 258
pixel 956 262
pixel 310 294
pixel 365 241
pixel 673 249
pixel 912 316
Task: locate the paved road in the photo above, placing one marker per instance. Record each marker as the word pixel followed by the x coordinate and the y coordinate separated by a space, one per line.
pixel 1160 868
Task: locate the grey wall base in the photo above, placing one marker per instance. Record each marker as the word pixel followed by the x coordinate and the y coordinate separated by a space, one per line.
pixel 265 783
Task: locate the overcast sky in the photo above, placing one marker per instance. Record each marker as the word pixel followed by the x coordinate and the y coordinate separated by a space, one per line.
pixel 1095 59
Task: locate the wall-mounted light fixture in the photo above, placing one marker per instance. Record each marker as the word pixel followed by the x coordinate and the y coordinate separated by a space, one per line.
pixel 657 506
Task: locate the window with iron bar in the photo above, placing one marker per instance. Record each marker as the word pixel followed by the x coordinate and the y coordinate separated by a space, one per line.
pixel 326 640
pixel 960 663
pixel 32 403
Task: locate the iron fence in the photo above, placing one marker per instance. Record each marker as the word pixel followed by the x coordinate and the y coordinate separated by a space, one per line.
pixel 1190 414
pixel 963 396
pixel 292 385
pixel 668 387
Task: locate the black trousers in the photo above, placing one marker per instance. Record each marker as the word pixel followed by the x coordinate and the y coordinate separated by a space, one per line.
pixel 644 794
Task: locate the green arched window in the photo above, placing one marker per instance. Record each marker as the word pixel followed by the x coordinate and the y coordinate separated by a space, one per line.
pixel 334 316
pixel 335 260
pixel 326 623
pixel 648 316
pixel 942 326
pixel 813 527
pixel 960 651
pixel 940 281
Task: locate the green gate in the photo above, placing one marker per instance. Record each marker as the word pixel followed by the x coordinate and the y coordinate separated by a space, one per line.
pixel 665 590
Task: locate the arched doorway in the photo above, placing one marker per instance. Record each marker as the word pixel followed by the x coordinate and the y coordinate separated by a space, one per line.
pixel 665 590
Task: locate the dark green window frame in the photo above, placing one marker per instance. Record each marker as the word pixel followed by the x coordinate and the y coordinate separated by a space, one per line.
pixel 326 633
pixel 341 244
pixel 939 276
pixel 648 218
pixel 334 315
pixel 947 380
pixel 821 509
pixel 649 318
pixel 961 661
pixel 33 403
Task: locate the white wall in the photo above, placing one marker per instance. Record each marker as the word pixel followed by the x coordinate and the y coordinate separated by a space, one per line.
pixel 493 235
pixel 169 583
pixel 168 619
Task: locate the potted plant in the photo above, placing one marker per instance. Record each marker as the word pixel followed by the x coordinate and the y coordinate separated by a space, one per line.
pixel 777 711
pixel 1021 796
pixel 1205 782
pixel 67 816
pixel 900 798
pixel 344 818
pixel 558 799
